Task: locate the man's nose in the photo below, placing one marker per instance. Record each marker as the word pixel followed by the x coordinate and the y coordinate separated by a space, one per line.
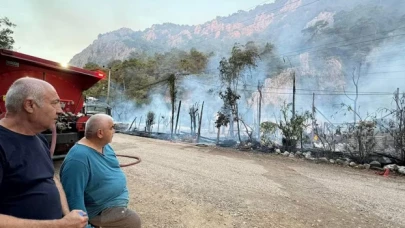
pixel 59 109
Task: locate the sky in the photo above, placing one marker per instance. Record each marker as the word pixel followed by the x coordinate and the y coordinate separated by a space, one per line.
pixel 59 29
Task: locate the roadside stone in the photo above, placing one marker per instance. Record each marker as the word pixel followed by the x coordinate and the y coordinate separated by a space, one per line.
pixel 367 166
pixel 401 169
pixel 332 161
pixel 339 162
pixel 352 164
pixel 391 167
pixel 386 160
pixel 286 153
pixel 375 164
pixel 291 155
pixel 323 160
pixel 278 151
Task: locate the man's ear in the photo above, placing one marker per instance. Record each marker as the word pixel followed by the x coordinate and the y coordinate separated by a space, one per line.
pixel 100 133
pixel 28 105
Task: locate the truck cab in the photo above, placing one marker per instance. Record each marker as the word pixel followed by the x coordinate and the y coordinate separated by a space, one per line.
pixel 94 106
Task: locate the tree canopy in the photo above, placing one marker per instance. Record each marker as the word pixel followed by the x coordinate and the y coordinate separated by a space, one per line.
pixel 133 78
pixel 6 32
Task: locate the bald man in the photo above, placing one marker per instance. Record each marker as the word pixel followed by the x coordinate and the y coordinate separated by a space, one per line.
pixel 30 196
pixel 93 180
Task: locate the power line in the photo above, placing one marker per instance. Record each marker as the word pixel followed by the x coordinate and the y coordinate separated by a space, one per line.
pixel 320 94
pixel 267 89
pixel 319 90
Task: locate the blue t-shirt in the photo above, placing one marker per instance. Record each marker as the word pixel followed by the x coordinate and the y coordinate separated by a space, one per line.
pixel 93 181
pixel 27 188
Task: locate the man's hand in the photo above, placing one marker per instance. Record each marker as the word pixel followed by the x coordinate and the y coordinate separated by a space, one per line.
pixel 75 219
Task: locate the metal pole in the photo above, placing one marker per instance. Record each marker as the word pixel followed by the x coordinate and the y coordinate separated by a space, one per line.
pixel 108 87
pixel 293 107
pixel 259 88
pixel 313 118
pixel 177 118
pixel 199 123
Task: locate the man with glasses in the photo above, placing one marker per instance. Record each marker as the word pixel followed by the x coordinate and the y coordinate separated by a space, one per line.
pixel 30 196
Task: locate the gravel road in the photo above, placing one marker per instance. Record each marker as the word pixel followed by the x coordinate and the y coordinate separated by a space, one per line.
pixel 183 185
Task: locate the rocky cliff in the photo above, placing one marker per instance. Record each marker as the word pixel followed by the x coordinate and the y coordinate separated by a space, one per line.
pixel 325 42
pixel 281 23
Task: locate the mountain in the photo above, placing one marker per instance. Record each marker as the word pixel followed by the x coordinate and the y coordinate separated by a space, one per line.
pixel 281 23
pixel 327 43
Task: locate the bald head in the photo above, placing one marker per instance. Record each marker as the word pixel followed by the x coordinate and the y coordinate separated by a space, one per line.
pixel 23 89
pixel 97 122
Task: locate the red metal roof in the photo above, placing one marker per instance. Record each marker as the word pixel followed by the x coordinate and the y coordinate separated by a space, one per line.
pixel 48 63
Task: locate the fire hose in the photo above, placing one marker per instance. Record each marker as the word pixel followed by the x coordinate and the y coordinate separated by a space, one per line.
pixel 53 146
pixel 128 156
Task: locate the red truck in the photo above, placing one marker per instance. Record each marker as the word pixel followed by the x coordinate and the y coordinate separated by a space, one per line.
pixel 69 82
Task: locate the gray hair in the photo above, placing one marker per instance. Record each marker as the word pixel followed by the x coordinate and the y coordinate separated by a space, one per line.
pixel 22 89
pixel 94 123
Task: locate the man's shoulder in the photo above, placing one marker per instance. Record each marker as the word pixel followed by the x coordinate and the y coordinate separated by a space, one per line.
pixel 109 147
pixel 78 152
pixel 11 141
pixel 76 155
pixel 6 135
pixel 110 151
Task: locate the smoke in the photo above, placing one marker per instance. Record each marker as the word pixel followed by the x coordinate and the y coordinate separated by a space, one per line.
pixel 385 74
pixel 324 61
pixel 127 111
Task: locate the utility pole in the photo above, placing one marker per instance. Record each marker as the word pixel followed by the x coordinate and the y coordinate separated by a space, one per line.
pixel 293 108
pixel 313 118
pixel 397 102
pixel 177 117
pixel 158 122
pixel 259 88
pixel 399 117
pixel 172 88
pixel 108 87
pixel 199 123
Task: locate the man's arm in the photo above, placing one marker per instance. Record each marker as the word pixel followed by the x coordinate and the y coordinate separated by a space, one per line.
pixel 74 176
pixel 72 220
pixel 13 222
pixel 63 200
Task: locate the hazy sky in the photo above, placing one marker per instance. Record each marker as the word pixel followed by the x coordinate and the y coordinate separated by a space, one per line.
pixel 58 29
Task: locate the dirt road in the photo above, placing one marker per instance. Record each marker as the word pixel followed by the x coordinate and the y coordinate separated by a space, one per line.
pixel 182 185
